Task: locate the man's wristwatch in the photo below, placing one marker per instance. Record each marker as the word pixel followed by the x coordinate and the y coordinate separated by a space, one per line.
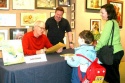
pixel 70 42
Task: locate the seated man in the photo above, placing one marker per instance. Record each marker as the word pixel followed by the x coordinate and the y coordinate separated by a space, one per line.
pixel 34 42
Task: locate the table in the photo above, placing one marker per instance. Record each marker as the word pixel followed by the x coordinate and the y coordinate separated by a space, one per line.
pixel 55 70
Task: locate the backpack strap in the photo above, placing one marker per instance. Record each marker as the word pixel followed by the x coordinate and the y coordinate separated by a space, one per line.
pixel 79 72
pixel 84 57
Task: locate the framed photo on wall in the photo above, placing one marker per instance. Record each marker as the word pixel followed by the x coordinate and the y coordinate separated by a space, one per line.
pixel 7 19
pixel 64 3
pixel 72 24
pixel 73 7
pixel 108 1
pixel 119 11
pixel 93 4
pixel 28 19
pixel 3 35
pixel 45 4
pixel 4 4
pixel 95 25
pixel 73 15
pixel 23 4
pixel 73 37
pixel 17 33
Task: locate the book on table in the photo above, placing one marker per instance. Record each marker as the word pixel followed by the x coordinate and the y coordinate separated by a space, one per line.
pixel 12 52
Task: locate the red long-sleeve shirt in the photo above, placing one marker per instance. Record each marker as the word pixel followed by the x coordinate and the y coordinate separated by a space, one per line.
pixel 31 44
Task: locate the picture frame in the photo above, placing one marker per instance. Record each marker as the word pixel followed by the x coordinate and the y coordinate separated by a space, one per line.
pixel 65 38
pixel 108 1
pixel 73 37
pixel 73 15
pixel 53 13
pixel 73 7
pixel 95 25
pixel 45 4
pixel 28 19
pixel 119 11
pixel 17 33
pixel 4 4
pixel 93 4
pixel 3 35
pixel 72 24
pixel 6 19
pixel 64 3
pixel 24 4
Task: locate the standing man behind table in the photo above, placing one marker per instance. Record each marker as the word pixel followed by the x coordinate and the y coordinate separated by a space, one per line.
pixel 56 26
pixel 35 41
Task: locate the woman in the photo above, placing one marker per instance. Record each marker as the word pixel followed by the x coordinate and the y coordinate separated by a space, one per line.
pixel 112 71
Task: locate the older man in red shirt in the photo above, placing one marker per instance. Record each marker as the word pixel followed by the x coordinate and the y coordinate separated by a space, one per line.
pixel 35 41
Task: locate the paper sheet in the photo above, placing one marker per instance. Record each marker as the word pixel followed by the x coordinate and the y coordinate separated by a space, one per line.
pixel 35 58
pixel 66 56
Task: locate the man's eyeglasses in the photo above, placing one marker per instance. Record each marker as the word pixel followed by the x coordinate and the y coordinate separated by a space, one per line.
pixel 41 28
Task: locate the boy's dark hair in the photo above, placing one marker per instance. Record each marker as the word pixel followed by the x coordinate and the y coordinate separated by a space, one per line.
pixel 87 36
pixel 110 11
pixel 59 9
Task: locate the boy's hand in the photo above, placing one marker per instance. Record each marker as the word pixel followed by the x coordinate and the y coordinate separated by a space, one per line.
pixel 59 50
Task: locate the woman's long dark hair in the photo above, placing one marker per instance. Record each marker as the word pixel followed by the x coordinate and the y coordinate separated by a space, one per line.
pixel 110 11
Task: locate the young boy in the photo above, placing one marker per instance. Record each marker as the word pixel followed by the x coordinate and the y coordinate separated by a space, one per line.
pixel 85 48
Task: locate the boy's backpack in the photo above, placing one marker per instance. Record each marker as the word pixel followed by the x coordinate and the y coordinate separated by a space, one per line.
pixel 95 73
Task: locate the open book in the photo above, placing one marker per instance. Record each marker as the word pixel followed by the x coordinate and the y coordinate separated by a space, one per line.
pixel 55 48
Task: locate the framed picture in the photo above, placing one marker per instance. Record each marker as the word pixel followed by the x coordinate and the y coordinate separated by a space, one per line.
pixel 73 7
pixel 6 19
pixel 108 1
pixel 72 24
pixel 93 4
pixel 23 4
pixel 73 37
pixel 53 13
pixel 73 15
pixel 95 25
pixel 4 4
pixel 119 11
pixel 3 35
pixel 65 38
pixel 45 4
pixel 28 19
pixel 17 33
pixel 64 3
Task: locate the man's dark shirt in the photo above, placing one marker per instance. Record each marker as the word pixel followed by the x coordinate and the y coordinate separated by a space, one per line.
pixel 56 31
